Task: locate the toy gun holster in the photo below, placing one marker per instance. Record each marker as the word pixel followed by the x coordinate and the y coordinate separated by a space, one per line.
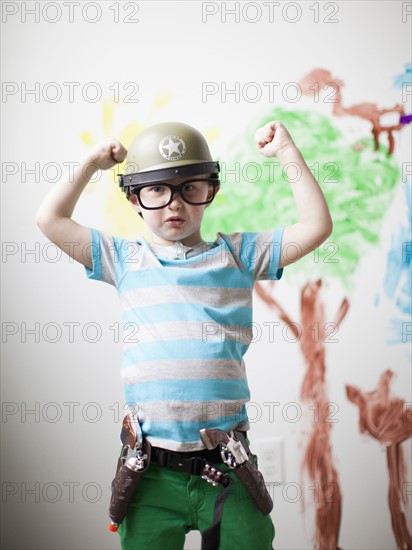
pixel 132 464
pixel 236 454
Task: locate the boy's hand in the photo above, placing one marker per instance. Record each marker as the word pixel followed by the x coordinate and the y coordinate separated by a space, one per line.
pixel 107 153
pixel 273 139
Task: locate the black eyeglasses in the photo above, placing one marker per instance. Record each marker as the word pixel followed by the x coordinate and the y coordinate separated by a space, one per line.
pixel 154 196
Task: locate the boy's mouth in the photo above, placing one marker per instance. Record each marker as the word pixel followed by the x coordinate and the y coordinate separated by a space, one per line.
pixel 175 221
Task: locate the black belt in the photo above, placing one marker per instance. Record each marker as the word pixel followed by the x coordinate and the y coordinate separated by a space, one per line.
pixel 191 463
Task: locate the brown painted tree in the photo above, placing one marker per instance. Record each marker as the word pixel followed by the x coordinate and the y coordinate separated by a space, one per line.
pixel 317 458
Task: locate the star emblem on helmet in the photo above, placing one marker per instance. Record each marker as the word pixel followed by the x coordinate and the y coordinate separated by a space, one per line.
pixel 172 147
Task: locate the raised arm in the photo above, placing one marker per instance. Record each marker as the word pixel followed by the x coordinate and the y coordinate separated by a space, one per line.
pixel 54 214
pixel 315 222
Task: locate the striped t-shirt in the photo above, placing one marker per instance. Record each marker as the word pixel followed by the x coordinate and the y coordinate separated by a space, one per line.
pixel 187 325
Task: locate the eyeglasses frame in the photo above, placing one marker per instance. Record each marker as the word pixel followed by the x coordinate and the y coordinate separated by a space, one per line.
pixel 175 189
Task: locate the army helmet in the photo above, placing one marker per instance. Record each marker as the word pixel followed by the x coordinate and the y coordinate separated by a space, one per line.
pixel 166 151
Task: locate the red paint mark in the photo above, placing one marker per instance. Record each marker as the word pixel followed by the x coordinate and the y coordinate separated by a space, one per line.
pixel 385 419
pixel 319 79
pixel 317 459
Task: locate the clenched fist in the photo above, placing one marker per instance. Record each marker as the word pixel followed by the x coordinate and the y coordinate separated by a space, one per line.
pixel 107 153
pixel 273 139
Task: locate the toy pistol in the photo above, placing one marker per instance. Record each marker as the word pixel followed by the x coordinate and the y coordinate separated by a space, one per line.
pixel 236 454
pixel 131 465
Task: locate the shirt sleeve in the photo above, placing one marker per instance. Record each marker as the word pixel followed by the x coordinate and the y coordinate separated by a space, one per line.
pixel 103 256
pixel 260 254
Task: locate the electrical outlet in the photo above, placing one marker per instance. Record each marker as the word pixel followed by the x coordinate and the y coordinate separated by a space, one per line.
pixel 271 458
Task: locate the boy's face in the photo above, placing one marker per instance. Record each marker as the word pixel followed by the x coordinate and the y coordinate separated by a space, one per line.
pixel 178 221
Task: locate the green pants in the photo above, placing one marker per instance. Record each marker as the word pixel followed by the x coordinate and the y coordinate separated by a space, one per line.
pixel 169 504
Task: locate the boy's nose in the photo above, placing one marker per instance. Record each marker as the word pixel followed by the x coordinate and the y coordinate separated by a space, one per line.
pixel 176 200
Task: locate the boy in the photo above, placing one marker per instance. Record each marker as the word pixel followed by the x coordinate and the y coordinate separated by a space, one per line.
pixel 187 299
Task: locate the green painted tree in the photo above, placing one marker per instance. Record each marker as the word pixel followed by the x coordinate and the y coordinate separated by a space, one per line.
pixel 358 184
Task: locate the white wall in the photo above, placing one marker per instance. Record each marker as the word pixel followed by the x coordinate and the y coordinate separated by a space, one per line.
pixel 171 50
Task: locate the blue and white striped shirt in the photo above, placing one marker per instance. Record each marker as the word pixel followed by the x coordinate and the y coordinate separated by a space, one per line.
pixel 188 324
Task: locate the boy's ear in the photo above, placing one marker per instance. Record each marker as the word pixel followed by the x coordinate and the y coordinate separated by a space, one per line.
pixel 217 188
pixel 216 192
pixel 133 201
pixel 135 204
